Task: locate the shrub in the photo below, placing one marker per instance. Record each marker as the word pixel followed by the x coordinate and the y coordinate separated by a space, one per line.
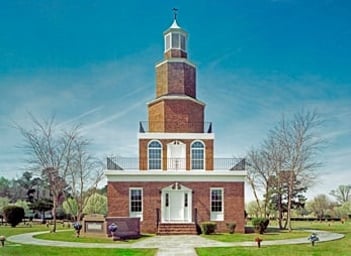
pixel 231 227
pixel 260 224
pixel 13 214
pixel 208 227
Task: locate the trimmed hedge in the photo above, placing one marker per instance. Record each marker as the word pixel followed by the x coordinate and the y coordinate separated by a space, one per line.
pixel 208 227
pixel 260 224
pixel 231 227
pixel 13 214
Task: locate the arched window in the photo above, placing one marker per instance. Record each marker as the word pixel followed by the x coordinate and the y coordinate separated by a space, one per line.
pixel 155 155
pixel 197 155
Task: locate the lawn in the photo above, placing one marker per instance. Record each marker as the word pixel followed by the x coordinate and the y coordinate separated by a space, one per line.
pixel 32 250
pixel 340 247
pixel 271 234
pixel 70 236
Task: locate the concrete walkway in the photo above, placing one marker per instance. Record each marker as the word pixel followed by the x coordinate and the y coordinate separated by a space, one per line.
pixel 179 245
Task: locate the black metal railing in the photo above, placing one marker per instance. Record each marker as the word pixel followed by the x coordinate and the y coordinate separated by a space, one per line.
pixel 133 163
pixel 158 217
pixel 195 216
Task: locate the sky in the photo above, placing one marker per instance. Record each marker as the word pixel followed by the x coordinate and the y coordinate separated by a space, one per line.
pixel 93 63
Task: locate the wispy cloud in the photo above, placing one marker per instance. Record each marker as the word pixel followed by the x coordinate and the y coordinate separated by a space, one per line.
pixel 120 113
pixel 99 96
pixel 243 107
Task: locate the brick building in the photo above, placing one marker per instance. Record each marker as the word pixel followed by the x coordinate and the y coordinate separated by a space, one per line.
pixel 176 183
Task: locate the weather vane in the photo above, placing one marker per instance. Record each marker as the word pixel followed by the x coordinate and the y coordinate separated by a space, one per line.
pixel 175 10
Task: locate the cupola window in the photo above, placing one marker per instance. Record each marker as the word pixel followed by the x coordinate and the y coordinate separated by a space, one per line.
pixel 175 40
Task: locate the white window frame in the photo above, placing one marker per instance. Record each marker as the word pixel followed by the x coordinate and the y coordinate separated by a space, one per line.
pixel 148 155
pixel 167 42
pixel 217 215
pixel 175 40
pixel 204 155
pixel 135 213
pixel 182 42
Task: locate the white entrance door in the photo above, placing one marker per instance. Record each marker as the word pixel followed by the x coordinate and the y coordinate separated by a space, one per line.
pixel 176 152
pixel 176 204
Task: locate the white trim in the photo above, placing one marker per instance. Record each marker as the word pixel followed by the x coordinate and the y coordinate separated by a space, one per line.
pixel 176 155
pixel 217 216
pixel 203 152
pixel 176 136
pixel 148 155
pixel 184 211
pixel 175 60
pixel 175 176
pixel 176 97
pixel 136 214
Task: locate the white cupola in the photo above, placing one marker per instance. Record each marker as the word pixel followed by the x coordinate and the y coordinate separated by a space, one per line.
pixel 175 39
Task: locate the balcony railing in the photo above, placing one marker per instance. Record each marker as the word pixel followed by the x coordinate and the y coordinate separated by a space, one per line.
pixel 133 163
pixel 191 127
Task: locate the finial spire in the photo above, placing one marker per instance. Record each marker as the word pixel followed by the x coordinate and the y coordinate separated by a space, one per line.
pixel 175 10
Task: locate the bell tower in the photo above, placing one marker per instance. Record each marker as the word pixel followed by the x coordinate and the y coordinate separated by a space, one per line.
pixel 175 115
pixel 175 108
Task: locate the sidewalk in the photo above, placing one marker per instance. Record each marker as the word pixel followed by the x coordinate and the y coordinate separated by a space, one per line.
pixel 179 245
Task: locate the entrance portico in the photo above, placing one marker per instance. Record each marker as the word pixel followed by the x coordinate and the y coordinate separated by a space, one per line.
pixel 176 201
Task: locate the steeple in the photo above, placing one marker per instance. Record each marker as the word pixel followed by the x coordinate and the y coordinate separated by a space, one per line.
pixel 175 39
pixel 176 108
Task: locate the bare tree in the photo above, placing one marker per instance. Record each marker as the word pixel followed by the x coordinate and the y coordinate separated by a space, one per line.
pixel 84 174
pixel 319 205
pixel 259 173
pixel 342 194
pixel 62 158
pixel 286 161
pixel 301 145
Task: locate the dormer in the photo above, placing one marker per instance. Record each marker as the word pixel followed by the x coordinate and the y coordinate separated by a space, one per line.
pixel 175 39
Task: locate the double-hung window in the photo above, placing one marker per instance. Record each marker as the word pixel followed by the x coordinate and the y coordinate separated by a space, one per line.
pixel 217 204
pixel 136 202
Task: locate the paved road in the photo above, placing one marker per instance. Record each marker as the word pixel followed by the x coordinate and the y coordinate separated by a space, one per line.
pixel 168 245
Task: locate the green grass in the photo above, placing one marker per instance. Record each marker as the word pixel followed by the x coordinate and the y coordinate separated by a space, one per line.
pixel 32 250
pixel 21 228
pixel 70 236
pixel 340 247
pixel 271 234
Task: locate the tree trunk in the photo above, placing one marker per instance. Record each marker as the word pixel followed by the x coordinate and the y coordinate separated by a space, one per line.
pixel 53 212
pixel 290 192
pixel 280 213
pixel 253 187
pixel 43 217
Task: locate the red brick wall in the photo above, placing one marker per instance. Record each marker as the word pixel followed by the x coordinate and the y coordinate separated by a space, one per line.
pixel 175 78
pixel 178 116
pixel 175 53
pixel 143 147
pixel 118 202
pixel 161 80
pixel 157 117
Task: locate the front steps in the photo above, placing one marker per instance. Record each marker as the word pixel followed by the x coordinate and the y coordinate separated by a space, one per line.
pixel 177 229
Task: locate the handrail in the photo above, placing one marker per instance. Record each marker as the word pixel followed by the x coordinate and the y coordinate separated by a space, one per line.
pixel 133 163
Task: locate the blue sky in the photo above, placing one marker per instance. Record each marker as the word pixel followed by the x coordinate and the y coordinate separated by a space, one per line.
pixel 93 62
